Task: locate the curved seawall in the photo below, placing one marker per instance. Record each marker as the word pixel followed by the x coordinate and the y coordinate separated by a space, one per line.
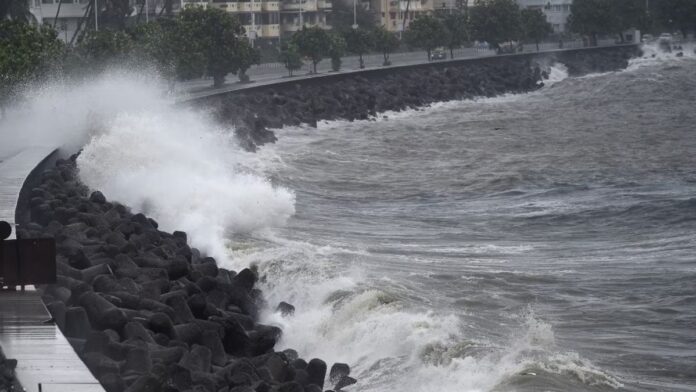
pixel 362 94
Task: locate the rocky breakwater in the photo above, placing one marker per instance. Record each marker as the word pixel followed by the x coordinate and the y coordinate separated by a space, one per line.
pixel 147 312
pixel 361 95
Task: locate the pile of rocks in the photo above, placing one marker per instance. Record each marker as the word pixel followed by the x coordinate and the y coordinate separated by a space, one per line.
pixel 146 312
pixel 364 94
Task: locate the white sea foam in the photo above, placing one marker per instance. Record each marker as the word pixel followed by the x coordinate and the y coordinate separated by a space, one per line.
pixel 558 72
pixel 653 55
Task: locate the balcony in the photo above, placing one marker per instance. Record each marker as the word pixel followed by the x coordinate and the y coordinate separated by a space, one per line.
pixel 67 10
pixel 229 7
pixel 270 30
pixel 416 5
pixel 305 6
pixel 192 3
pixel 270 6
pixel 249 6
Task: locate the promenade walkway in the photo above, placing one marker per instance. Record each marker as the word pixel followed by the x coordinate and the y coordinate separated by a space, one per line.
pixel 45 360
pixel 271 73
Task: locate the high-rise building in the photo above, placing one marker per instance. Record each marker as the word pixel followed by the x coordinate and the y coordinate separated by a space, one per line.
pixel 264 20
pixel 556 11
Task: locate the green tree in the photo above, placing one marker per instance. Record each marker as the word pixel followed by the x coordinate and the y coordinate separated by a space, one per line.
pixel 337 49
pixel 495 21
pixel 170 48
pixel 456 25
pixel 312 42
pixel 15 10
pixel 591 18
pixel 246 56
pixel 27 53
pixel 677 14
pixel 535 27
pixel 426 32
pixel 98 49
pixel 627 14
pixel 385 42
pixel 114 13
pixel 220 38
pixel 341 16
pixel 289 55
pixel 359 41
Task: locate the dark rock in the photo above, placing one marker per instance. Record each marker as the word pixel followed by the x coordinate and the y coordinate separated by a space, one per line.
pixel 285 309
pixel 102 314
pixel 97 197
pixel 299 363
pixel 338 371
pixel 76 323
pixel 344 382
pixel 316 369
pixel 145 383
pixel 290 387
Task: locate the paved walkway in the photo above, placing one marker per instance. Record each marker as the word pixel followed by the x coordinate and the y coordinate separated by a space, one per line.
pixel 45 360
pixel 14 170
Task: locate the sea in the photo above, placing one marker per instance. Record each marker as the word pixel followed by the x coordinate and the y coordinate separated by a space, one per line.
pixel 534 242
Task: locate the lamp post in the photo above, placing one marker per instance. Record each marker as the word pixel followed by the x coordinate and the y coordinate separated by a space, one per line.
pixel 355 14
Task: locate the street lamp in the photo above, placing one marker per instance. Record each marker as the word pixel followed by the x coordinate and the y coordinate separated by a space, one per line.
pixel 355 14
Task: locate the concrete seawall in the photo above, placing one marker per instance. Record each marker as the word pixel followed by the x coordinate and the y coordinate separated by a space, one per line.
pixel 253 110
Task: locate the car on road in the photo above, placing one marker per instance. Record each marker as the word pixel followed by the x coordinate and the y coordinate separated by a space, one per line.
pixel 438 54
pixel 647 38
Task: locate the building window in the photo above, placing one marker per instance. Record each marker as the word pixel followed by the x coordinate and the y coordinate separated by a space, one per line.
pixel 47 1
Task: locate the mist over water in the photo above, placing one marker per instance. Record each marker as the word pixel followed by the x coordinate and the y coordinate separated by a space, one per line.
pixel 541 241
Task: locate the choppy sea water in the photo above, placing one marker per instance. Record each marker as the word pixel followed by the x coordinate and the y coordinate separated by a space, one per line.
pixel 534 242
pixel 543 241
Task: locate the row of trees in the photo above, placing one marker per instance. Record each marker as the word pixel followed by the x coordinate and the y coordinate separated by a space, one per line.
pixel 197 42
pixel 315 44
pixel 492 21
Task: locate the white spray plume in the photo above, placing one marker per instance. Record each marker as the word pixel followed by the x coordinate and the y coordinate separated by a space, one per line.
pixel 173 163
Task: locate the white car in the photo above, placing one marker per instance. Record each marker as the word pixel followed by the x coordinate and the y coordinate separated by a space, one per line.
pixel 647 38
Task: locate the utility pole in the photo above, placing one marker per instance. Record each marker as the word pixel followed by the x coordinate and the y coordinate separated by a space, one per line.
pixel 147 12
pixel 96 16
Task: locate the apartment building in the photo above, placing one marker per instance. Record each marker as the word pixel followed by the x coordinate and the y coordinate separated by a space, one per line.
pixel 556 11
pixel 396 15
pixel 71 11
pixel 269 20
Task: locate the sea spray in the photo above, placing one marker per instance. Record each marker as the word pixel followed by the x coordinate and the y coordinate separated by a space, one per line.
pixel 172 162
